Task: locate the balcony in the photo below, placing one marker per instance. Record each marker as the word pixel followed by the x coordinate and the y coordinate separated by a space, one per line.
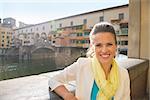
pixel 123 31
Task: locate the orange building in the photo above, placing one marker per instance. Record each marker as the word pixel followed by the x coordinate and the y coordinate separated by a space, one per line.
pixel 72 36
pixel 5 37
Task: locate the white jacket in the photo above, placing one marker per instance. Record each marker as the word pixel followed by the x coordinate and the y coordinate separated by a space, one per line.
pixel 81 72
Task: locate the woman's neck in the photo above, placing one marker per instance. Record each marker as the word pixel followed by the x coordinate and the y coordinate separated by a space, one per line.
pixel 106 68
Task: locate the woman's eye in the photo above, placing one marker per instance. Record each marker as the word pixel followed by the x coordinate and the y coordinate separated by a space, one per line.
pixel 109 44
pixel 98 45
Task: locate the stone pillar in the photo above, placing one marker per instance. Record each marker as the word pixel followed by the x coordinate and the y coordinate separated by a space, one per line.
pixel 20 53
pixel 139 31
pixel 148 11
pixel 134 29
pixel 144 34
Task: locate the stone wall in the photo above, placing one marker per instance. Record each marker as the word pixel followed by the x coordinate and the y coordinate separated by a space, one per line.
pixel 66 55
pixel 138 77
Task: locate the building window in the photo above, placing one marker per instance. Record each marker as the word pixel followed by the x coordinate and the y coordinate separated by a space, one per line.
pixel 87 41
pixel 118 42
pixel 86 33
pixel 79 34
pixel 37 29
pixel 121 16
pixel 71 23
pixel 101 18
pixel 82 41
pixel 22 31
pixel 77 41
pixel 31 29
pixel 2 40
pixel 2 45
pixel 60 25
pixel 85 21
pixel 26 30
pixel 54 35
pixel 51 26
pixel 43 28
pixel 25 36
pixel 122 42
pixel 73 41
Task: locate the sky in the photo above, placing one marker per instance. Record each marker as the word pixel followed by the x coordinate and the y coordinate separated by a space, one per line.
pixel 37 11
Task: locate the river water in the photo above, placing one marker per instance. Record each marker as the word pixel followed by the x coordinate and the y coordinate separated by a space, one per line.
pixel 12 67
pixel 40 61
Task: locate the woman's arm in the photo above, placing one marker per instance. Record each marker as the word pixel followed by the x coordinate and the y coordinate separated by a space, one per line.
pixel 66 75
pixel 126 95
pixel 57 82
pixel 64 93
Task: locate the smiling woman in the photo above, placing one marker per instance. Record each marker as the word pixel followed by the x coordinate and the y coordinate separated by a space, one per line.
pixel 98 76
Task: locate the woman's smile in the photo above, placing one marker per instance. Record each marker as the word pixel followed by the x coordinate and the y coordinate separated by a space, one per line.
pixel 104 46
pixel 105 56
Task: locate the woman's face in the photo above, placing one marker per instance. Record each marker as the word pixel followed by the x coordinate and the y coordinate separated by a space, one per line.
pixel 104 47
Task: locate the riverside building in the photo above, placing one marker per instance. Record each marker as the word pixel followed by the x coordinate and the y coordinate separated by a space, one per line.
pixel 73 31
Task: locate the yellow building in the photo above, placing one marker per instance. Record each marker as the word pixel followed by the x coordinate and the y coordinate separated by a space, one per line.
pixel 5 37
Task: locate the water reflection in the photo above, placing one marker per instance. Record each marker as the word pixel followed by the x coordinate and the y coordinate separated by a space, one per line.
pixel 12 67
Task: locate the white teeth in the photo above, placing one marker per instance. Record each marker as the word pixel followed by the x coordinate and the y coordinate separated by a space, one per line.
pixel 105 55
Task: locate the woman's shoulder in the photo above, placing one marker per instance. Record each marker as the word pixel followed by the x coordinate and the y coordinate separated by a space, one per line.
pixel 122 69
pixel 84 60
pixel 123 72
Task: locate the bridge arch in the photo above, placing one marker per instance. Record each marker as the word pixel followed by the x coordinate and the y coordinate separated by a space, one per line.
pixel 42 47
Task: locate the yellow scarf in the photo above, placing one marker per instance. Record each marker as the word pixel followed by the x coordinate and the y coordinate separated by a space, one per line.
pixel 107 88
